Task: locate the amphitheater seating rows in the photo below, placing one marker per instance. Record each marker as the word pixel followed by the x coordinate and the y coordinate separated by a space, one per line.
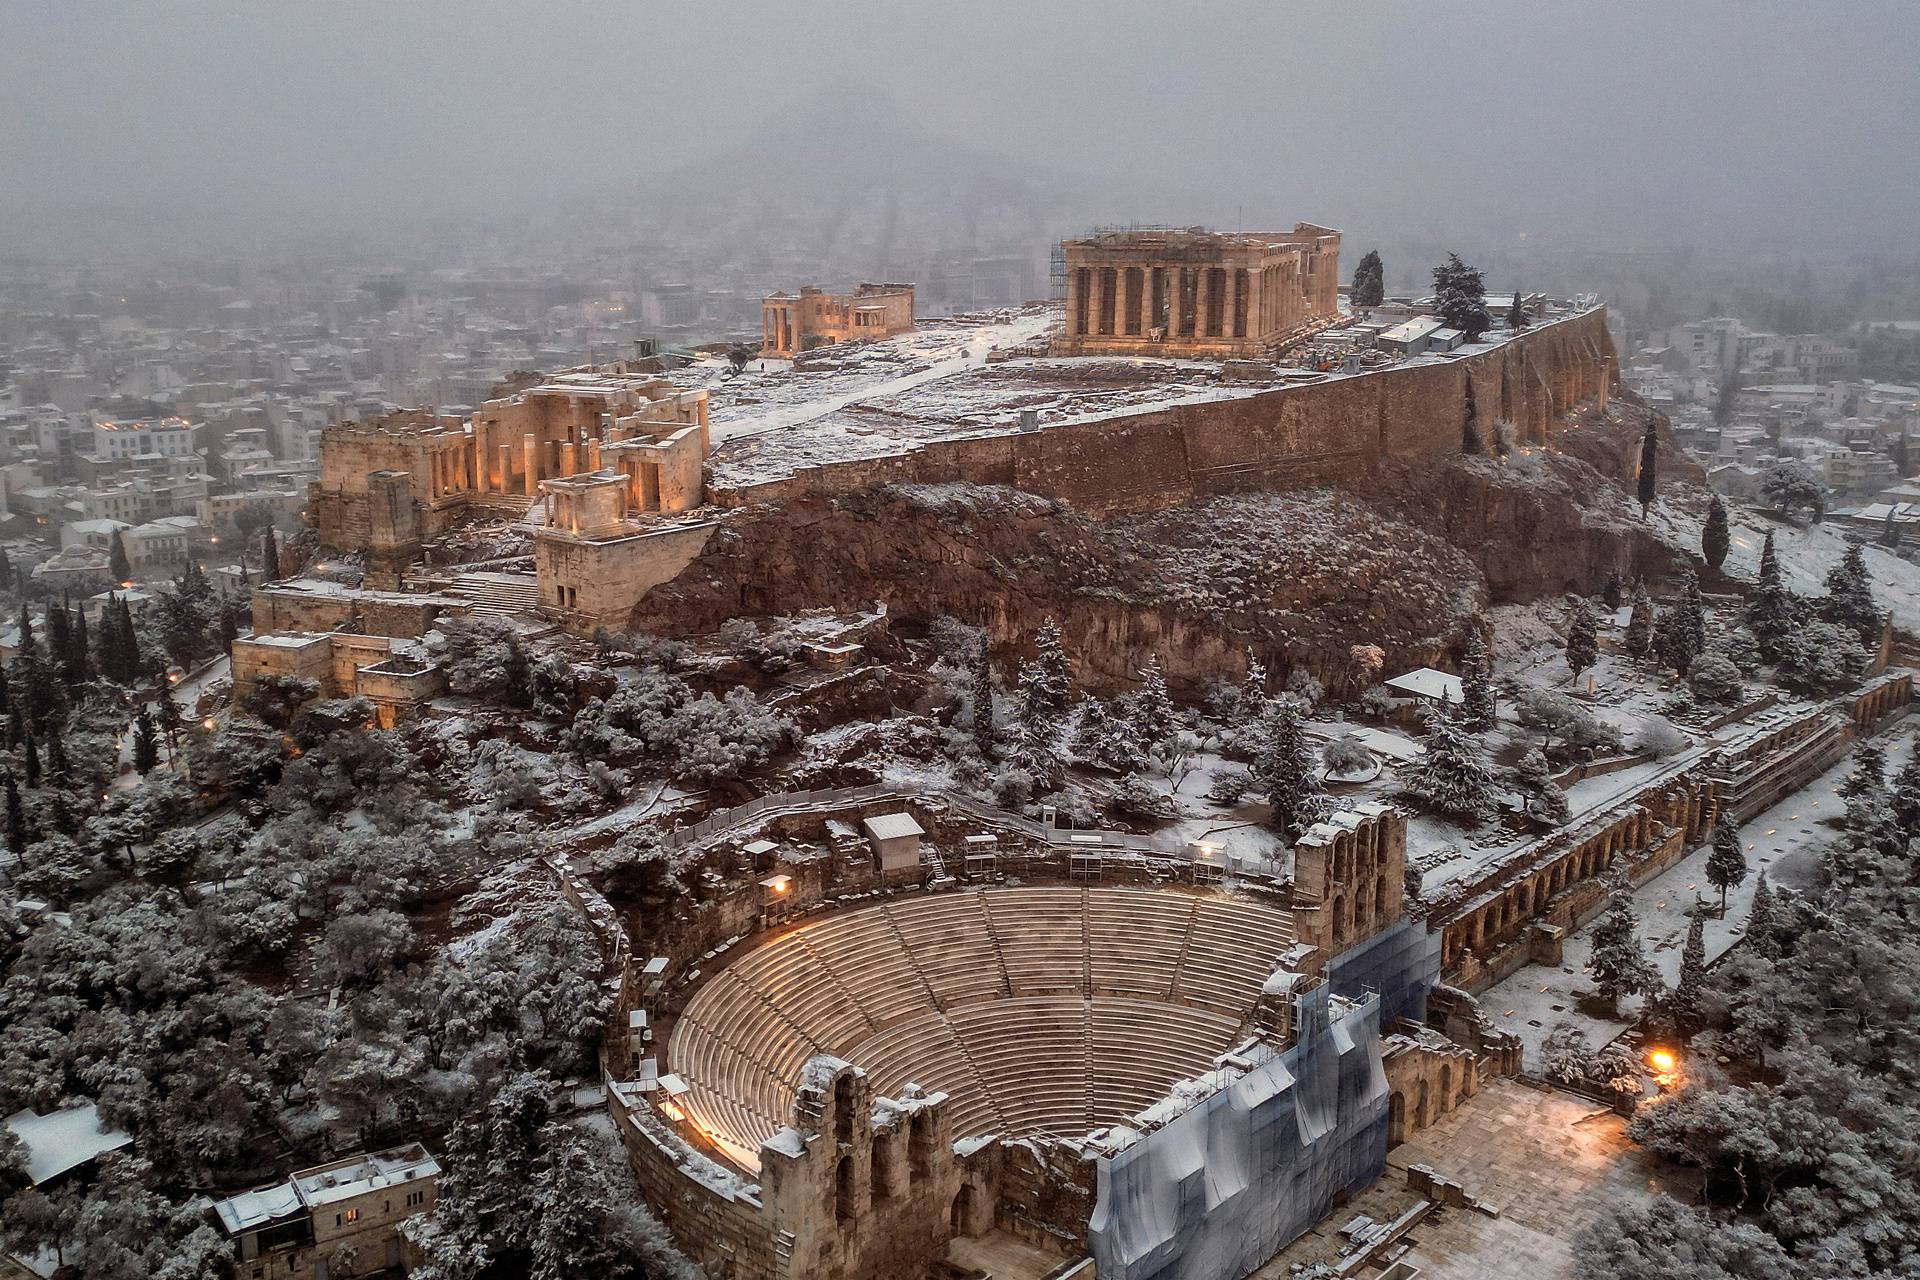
pixel 1038 1010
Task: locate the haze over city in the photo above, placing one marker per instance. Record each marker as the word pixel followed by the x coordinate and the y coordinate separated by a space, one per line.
pixel 968 642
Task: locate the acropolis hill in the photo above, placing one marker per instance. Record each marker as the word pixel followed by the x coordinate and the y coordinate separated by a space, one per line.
pixel 619 474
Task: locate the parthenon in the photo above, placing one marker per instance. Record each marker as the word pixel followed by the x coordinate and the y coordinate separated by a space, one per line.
pixel 1194 292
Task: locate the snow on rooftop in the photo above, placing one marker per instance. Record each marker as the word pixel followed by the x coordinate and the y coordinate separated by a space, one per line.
pixel 892 826
pixel 1431 684
pixel 63 1140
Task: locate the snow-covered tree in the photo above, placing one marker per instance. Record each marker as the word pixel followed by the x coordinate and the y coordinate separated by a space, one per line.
pixel 1253 691
pixel 1150 713
pixel 1789 486
pixel 1369 280
pixel 1452 776
pixel 1684 1002
pixel 1347 754
pixel 1619 965
pixel 1460 296
pixel 1583 640
pixel 1727 861
pixel 1904 797
pixel 1101 741
pixel 1046 684
pixel 1543 798
pixel 1714 538
pixel 981 684
pixel 1849 600
pixel 1284 768
pixel 1770 606
pixel 1714 678
pixel 1641 623
pixel 486 658
pixel 1815 658
pixel 1763 919
pixel 1649 465
pixel 1477 711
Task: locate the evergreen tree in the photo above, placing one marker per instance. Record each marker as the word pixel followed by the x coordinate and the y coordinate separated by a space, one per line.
pixel 58 767
pixel 1460 294
pixel 1047 687
pixel 1649 467
pixel 1369 280
pixel 269 556
pixel 1904 798
pixel 1763 920
pixel 146 746
pixel 1517 313
pixel 1284 767
pixel 1150 715
pixel 117 563
pixel 27 643
pixel 1477 712
pixel 1452 775
pixel 1849 599
pixel 1641 624
pixel 1583 640
pixel 1253 691
pixel 1714 538
pixel 78 665
pixel 1102 742
pixel 1619 966
pixel 31 763
pixel 1864 789
pixel 6 566
pixel 59 633
pixel 1614 593
pixel 1684 1003
pixel 1544 799
pixel 981 672
pixel 19 835
pixel 1727 862
pixel 1770 606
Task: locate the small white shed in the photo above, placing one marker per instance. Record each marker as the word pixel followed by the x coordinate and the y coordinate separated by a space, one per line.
pixel 895 840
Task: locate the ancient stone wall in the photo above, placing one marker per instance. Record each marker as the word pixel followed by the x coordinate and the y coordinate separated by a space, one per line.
pixel 366 612
pixel 598 581
pixel 1291 436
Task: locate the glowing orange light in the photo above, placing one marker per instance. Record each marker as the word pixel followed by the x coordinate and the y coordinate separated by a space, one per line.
pixel 1662 1061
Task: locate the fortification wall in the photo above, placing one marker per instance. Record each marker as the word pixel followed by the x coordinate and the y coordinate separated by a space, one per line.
pixel 1312 434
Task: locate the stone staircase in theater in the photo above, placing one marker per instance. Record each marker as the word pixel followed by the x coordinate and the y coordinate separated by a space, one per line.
pixel 501 595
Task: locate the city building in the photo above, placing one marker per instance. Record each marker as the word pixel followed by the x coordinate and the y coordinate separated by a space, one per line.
pixel 351 1209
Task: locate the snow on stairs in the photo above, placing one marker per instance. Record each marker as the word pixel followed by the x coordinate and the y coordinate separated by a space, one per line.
pixel 499 594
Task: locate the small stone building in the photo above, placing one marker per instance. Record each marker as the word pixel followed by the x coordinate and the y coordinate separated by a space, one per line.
pixel 296 1229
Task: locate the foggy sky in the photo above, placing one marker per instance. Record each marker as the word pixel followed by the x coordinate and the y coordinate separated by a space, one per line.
pixel 1770 125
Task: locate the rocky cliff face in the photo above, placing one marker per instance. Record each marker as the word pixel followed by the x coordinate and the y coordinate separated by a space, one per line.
pixel 1401 561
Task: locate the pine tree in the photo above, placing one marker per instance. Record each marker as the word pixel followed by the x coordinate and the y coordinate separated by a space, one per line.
pixel 1150 715
pixel 1714 538
pixel 1649 466
pixel 1770 606
pixel 146 746
pixel 1544 799
pixel 1619 966
pixel 269 556
pixel 1727 862
pixel 1452 776
pixel 1477 711
pixel 1460 296
pixel 1685 1002
pixel 1864 789
pixel 1641 624
pixel 1101 742
pixel 1284 767
pixel 19 835
pixel 1583 640
pixel 1052 687
pixel 1849 599
pixel 1253 691
pixel 1369 280
pixel 117 563
pixel 1693 613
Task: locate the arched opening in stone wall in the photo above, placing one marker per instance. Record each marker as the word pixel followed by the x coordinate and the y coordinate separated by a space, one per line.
pixel 1421 1114
pixel 960 1215
pixel 880 1172
pixel 843 1190
pixel 1446 1087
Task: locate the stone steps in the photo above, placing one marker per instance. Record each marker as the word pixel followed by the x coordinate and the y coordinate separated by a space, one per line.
pixel 497 594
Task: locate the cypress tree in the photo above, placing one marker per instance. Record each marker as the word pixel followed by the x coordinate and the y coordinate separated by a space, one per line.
pixel 1649 467
pixel 31 764
pixel 1619 965
pixel 1369 280
pixel 79 663
pixel 117 563
pixel 269 556
pixel 58 766
pixel 1477 712
pixel 27 644
pixel 1684 1004
pixel 146 746
pixel 1763 920
pixel 1849 601
pixel 19 835
pixel 1714 538
pixel 1253 690
pixel 1770 607
pixel 1583 641
pixel 1641 624
pixel 59 633
pixel 1517 313
pixel 1727 863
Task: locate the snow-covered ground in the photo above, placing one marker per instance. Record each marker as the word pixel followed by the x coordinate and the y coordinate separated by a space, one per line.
pixel 1784 842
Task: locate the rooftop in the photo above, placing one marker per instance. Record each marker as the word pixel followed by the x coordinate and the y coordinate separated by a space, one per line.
pixel 63 1140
